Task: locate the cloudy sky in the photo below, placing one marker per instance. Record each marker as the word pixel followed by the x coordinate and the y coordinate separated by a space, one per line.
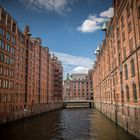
pixel 70 28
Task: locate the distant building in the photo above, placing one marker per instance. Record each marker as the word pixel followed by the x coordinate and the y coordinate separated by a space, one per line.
pixel 78 87
pixel 116 73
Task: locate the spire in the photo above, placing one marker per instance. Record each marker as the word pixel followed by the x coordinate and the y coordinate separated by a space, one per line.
pixel 104 27
pixel 27 30
pixel 67 75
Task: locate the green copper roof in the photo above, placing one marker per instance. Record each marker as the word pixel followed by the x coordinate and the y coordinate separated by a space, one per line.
pixel 68 76
pixel 104 27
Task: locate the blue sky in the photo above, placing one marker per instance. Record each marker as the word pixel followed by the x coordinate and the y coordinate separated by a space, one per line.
pixel 70 28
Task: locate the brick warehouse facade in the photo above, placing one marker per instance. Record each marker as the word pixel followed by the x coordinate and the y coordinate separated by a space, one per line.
pixel 78 87
pixel 28 73
pixel 116 72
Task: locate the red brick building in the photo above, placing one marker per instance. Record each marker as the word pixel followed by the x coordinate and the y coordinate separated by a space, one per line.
pixel 30 79
pixel 78 87
pixel 57 84
pixel 116 73
pixel 8 42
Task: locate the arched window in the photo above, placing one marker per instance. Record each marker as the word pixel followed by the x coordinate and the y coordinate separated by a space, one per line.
pixel 130 45
pixel 126 71
pixel 134 91
pixel 132 68
pixel 127 93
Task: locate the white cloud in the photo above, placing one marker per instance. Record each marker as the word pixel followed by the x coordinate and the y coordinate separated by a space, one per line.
pixel 80 69
pixel 74 64
pixel 93 23
pixel 108 13
pixel 73 60
pixel 59 6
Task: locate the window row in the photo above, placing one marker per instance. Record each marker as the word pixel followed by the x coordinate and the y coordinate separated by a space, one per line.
pixel 6 59
pixel 9 37
pixel 131 48
pixel 2 31
pixel 132 63
pixel 10 49
pixel 6 71
pixel 6 84
pixel 7 47
pixel 134 91
pixel 5 97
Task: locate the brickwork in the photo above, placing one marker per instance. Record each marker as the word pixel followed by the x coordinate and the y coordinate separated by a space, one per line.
pixel 78 86
pixel 30 78
pixel 116 72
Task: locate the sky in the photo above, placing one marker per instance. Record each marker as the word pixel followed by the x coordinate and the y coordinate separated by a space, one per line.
pixel 70 28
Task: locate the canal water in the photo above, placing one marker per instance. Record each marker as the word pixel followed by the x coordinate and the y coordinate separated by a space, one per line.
pixel 65 124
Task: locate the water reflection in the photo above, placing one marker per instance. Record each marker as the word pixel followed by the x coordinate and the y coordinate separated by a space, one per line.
pixel 66 124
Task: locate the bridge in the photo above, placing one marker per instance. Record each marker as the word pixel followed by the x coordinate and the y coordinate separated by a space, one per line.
pixel 73 103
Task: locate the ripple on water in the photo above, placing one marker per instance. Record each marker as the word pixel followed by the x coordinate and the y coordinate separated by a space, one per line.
pixel 66 124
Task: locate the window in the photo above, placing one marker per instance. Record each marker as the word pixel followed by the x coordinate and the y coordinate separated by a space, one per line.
pixel 12 61
pixel 8 36
pixel 11 73
pixel 132 68
pixel 4 83
pixel 0 83
pixel 7 48
pixel 1 44
pixel 7 59
pixel 12 50
pixel 1 31
pixel 1 57
pixel 127 93
pixel 4 99
pixel 124 52
pixel 21 67
pixel 131 45
pixel 126 71
pixel 11 84
pixel 134 89
pixel 6 71
pixel 1 70
pixel 13 40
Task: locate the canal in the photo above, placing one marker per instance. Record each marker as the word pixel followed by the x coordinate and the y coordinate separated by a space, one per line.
pixel 65 124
